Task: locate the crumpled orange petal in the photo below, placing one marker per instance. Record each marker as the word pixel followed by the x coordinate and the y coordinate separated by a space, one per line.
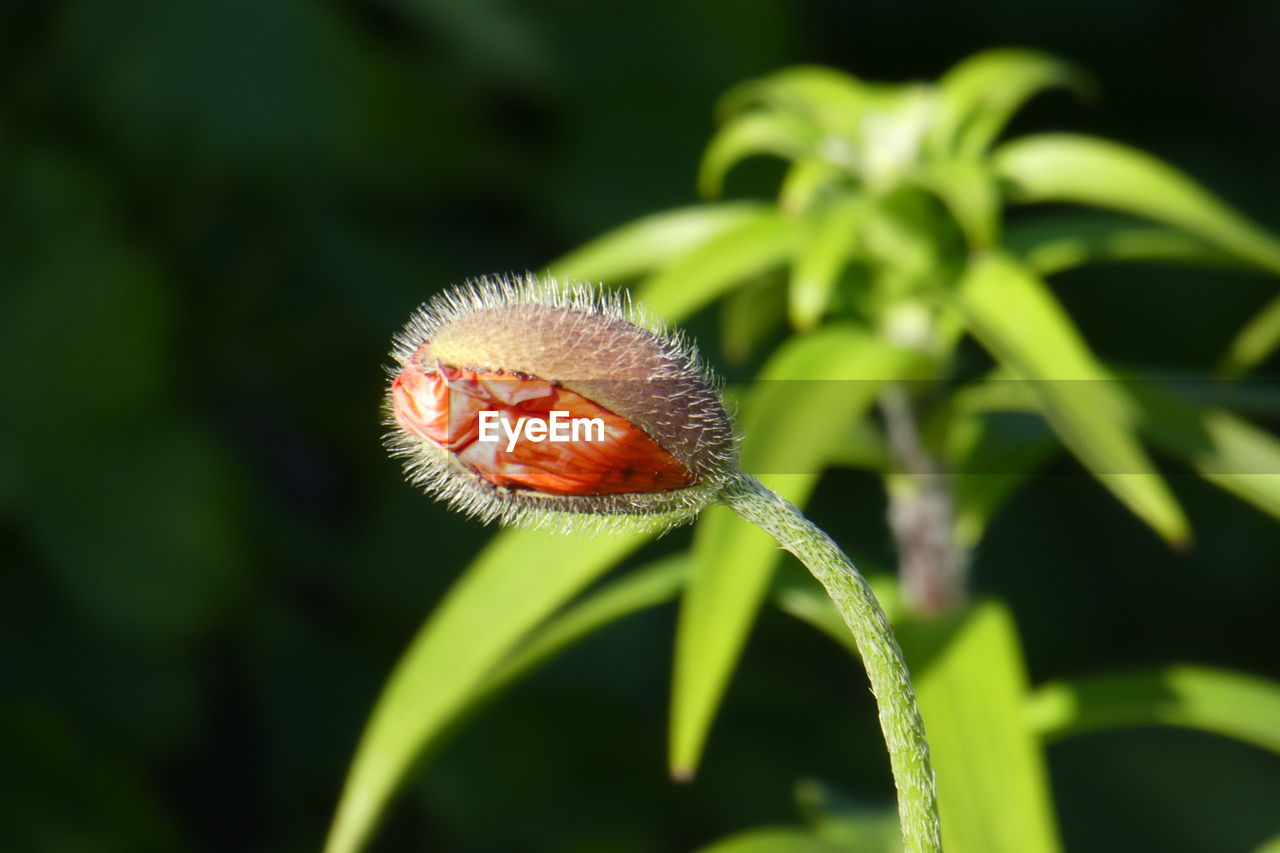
pixel 443 406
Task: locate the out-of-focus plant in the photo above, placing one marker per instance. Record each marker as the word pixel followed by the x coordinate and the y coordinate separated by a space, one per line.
pixel 888 245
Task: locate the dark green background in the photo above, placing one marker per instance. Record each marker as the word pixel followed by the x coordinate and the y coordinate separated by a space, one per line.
pixel 213 216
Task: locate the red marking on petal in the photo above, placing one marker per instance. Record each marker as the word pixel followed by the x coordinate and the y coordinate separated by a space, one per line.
pixel 443 406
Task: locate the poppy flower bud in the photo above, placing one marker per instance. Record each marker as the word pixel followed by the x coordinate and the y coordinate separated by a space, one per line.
pixel 526 401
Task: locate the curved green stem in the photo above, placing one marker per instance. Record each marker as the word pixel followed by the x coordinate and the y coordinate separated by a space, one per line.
pixel 890 682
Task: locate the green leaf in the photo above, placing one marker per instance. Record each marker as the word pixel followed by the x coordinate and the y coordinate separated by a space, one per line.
pixel 1257 340
pixel 979 95
pixel 761 242
pixel 1226 450
pixel 993 439
pixel 862 446
pixel 971 683
pixel 778 839
pixel 852 824
pixel 1065 242
pixel 648 586
pixel 825 245
pixel 808 394
pixel 1271 846
pixel 812 606
pixel 519 579
pixel 778 133
pixel 806 181
pixel 750 315
pixel 1233 704
pixel 1016 317
pixel 829 98
pixel 989 458
pixel 1065 167
pixel 969 190
pixel 798 597
pixel 891 133
pixel 651 242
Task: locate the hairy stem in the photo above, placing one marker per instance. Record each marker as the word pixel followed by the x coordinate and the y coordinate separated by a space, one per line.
pixel 890 682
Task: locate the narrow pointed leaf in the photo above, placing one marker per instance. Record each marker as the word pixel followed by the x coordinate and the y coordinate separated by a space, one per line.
pixel 1086 170
pixel 1064 243
pixel 763 241
pixel 862 446
pixel 831 99
pixel 1271 846
pixel 1226 450
pixel 971 682
pixel 1233 704
pixel 826 244
pixel 1257 340
pixel 998 454
pixel 811 605
pixel 516 582
pixel 995 440
pixel 645 587
pixel 805 182
pixel 969 190
pixel 751 315
pixel 1016 317
pixel 852 824
pixel 980 94
pixel 758 132
pixel 808 395
pixel 652 242
pixel 780 839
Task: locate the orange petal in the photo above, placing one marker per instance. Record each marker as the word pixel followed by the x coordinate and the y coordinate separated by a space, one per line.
pixel 443 406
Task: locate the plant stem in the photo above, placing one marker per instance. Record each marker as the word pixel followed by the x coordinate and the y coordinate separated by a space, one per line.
pixel 931 563
pixel 890 682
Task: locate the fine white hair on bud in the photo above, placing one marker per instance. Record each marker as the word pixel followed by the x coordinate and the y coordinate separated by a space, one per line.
pixel 528 401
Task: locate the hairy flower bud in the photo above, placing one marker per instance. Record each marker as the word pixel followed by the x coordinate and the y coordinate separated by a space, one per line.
pixel 527 401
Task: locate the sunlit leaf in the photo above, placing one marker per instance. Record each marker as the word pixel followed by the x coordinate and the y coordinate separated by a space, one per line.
pixel 1065 242
pixel 809 392
pixel 1270 846
pixel 517 581
pixel 1240 706
pixel 831 99
pixel 1019 321
pixel 800 598
pixel 1226 450
pixel 971 682
pixel 862 446
pixel 778 133
pixel 750 315
pixel 969 190
pixel 988 458
pixel 890 136
pixel 1257 340
pixel 779 839
pixel 854 825
pixel 979 95
pixel 827 241
pixel 651 242
pixel 647 586
pixel 763 241
pixel 905 241
pixel 806 181
pixel 993 439
pixel 1065 167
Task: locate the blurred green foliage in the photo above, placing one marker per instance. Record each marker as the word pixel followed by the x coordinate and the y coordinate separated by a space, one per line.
pixel 214 214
